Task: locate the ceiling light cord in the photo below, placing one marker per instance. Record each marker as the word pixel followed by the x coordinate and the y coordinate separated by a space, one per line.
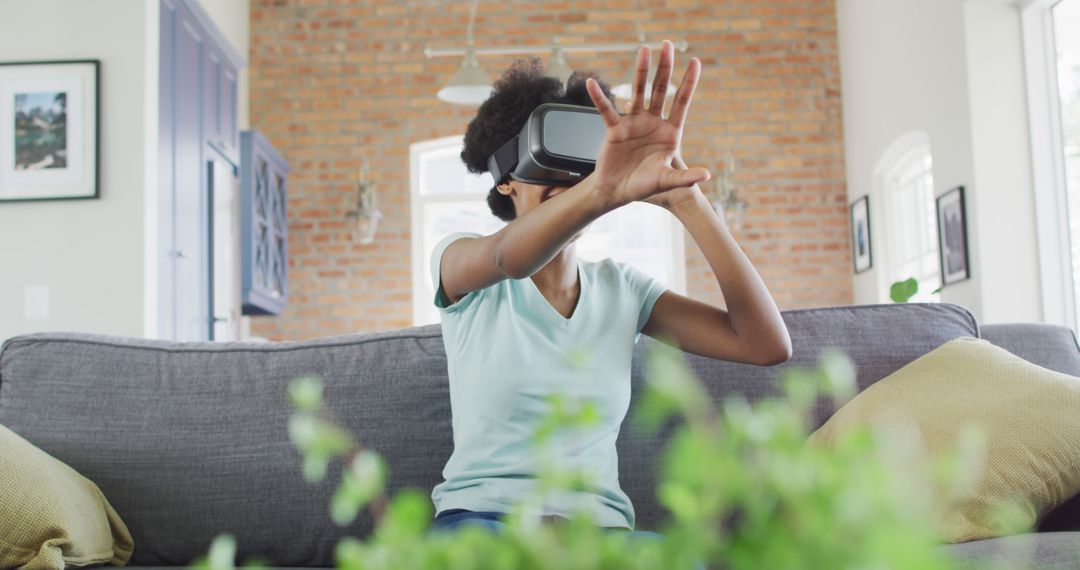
pixel 472 21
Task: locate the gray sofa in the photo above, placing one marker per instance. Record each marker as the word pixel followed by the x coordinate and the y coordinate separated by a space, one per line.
pixel 189 440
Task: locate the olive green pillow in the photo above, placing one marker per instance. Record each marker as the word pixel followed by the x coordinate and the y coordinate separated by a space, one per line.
pixel 50 516
pixel 1030 417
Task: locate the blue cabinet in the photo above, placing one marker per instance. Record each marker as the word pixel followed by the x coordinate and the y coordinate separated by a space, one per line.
pixel 264 226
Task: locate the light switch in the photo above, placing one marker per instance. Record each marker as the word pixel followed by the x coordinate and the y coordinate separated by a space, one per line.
pixel 36 303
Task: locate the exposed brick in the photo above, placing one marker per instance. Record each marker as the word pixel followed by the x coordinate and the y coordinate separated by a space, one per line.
pixel 336 80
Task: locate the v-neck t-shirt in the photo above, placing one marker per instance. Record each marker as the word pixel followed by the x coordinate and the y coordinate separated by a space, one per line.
pixel 508 353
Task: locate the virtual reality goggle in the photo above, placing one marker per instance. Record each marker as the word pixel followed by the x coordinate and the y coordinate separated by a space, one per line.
pixel 557 146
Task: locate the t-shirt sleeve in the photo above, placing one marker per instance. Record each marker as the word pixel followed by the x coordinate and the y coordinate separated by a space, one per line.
pixel 647 290
pixel 441 300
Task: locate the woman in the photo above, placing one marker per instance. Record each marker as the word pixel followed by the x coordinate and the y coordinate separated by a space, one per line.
pixel 514 304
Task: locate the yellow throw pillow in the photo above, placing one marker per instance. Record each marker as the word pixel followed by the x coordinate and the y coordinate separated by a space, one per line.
pixel 50 516
pixel 1029 416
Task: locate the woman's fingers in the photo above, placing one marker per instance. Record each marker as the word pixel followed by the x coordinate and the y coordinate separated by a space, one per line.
pixel 641 77
pixel 662 78
pixel 607 110
pixel 683 178
pixel 685 94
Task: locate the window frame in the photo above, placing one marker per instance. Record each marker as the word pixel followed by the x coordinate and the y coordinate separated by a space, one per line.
pixel 898 152
pixel 1048 163
pixel 915 149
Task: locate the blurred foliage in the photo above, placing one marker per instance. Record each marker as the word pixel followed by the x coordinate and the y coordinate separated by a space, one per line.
pixel 743 487
pixel 903 291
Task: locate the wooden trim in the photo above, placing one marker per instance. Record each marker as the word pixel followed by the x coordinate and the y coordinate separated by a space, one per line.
pixel 216 36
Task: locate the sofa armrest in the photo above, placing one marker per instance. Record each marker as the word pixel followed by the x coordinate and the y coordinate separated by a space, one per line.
pixel 1050 346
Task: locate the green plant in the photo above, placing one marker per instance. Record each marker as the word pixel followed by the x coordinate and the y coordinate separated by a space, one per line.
pixel 903 291
pixel 744 490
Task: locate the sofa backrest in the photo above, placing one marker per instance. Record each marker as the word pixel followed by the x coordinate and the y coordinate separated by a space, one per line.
pixel 188 440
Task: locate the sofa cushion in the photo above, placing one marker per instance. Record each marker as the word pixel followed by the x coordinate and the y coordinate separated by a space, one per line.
pixel 1026 413
pixel 1044 551
pixel 51 516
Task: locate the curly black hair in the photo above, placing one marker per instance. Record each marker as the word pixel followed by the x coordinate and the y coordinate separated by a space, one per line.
pixel 523 87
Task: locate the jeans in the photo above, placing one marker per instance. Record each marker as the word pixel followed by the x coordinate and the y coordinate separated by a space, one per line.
pixel 453 519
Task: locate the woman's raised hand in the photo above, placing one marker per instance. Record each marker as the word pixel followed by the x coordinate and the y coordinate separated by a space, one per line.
pixel 635 159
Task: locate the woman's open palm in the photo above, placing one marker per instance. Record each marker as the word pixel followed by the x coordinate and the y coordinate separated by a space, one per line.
pixel 635 159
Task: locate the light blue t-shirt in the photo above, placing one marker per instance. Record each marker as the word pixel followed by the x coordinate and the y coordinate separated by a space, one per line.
pixel 508 350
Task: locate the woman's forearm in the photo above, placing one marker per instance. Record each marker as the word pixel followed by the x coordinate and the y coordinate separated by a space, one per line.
pixel 751 309
pixel 529 242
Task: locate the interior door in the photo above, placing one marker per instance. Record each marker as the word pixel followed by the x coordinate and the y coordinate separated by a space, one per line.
pixel 190 250
pixel 224 249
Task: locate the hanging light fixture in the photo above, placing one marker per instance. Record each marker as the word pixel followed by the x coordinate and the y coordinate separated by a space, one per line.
pixel 364 220
pixel 469 85
pixel 557 66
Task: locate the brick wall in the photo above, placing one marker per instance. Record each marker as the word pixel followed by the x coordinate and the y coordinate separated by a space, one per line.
pixel 336 80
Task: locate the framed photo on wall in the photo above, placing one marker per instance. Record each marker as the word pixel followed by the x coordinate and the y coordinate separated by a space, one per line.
pixel 860 235
pixel 49 130
pixel 952 236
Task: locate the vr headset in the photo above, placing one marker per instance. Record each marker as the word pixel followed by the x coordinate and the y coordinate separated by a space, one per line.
pixel 557 146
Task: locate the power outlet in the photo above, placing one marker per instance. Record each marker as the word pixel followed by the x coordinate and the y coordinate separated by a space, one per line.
pixel 36 302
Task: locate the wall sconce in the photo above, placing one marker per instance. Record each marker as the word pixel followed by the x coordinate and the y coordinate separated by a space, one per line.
pixel 726 200
pixel 364 220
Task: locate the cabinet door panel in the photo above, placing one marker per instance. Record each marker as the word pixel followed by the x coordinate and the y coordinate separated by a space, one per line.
pixel 212 65
pixel 227 101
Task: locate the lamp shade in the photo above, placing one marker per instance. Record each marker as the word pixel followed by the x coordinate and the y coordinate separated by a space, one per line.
pixel 469 85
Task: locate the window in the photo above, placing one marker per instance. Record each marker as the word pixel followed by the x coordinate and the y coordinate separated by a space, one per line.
pixel 447 199
pixel 1052 58
pixel 906 186
pixel 1066 16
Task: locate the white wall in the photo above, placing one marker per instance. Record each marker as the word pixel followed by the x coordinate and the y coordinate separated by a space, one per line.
pixel 88 253
pixel 96 257
pixel 1000 137
pixel 952 69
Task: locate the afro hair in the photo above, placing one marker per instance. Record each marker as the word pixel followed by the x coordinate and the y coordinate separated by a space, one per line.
pixel 523 87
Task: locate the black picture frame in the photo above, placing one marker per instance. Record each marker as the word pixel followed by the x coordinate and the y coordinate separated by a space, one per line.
pixel 953 240
pixel 22 176
pixel 862 256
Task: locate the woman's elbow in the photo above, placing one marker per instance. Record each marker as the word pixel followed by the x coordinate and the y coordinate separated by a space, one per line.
pixel 779 353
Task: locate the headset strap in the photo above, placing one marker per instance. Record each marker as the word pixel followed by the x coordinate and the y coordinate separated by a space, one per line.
pixel 504 160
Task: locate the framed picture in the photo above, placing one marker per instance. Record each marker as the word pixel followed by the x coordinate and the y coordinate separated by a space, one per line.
pixel 860 234
pixel 952 236
pixel 48 130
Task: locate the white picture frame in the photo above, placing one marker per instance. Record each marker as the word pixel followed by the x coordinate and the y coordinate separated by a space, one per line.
pixel 49 130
